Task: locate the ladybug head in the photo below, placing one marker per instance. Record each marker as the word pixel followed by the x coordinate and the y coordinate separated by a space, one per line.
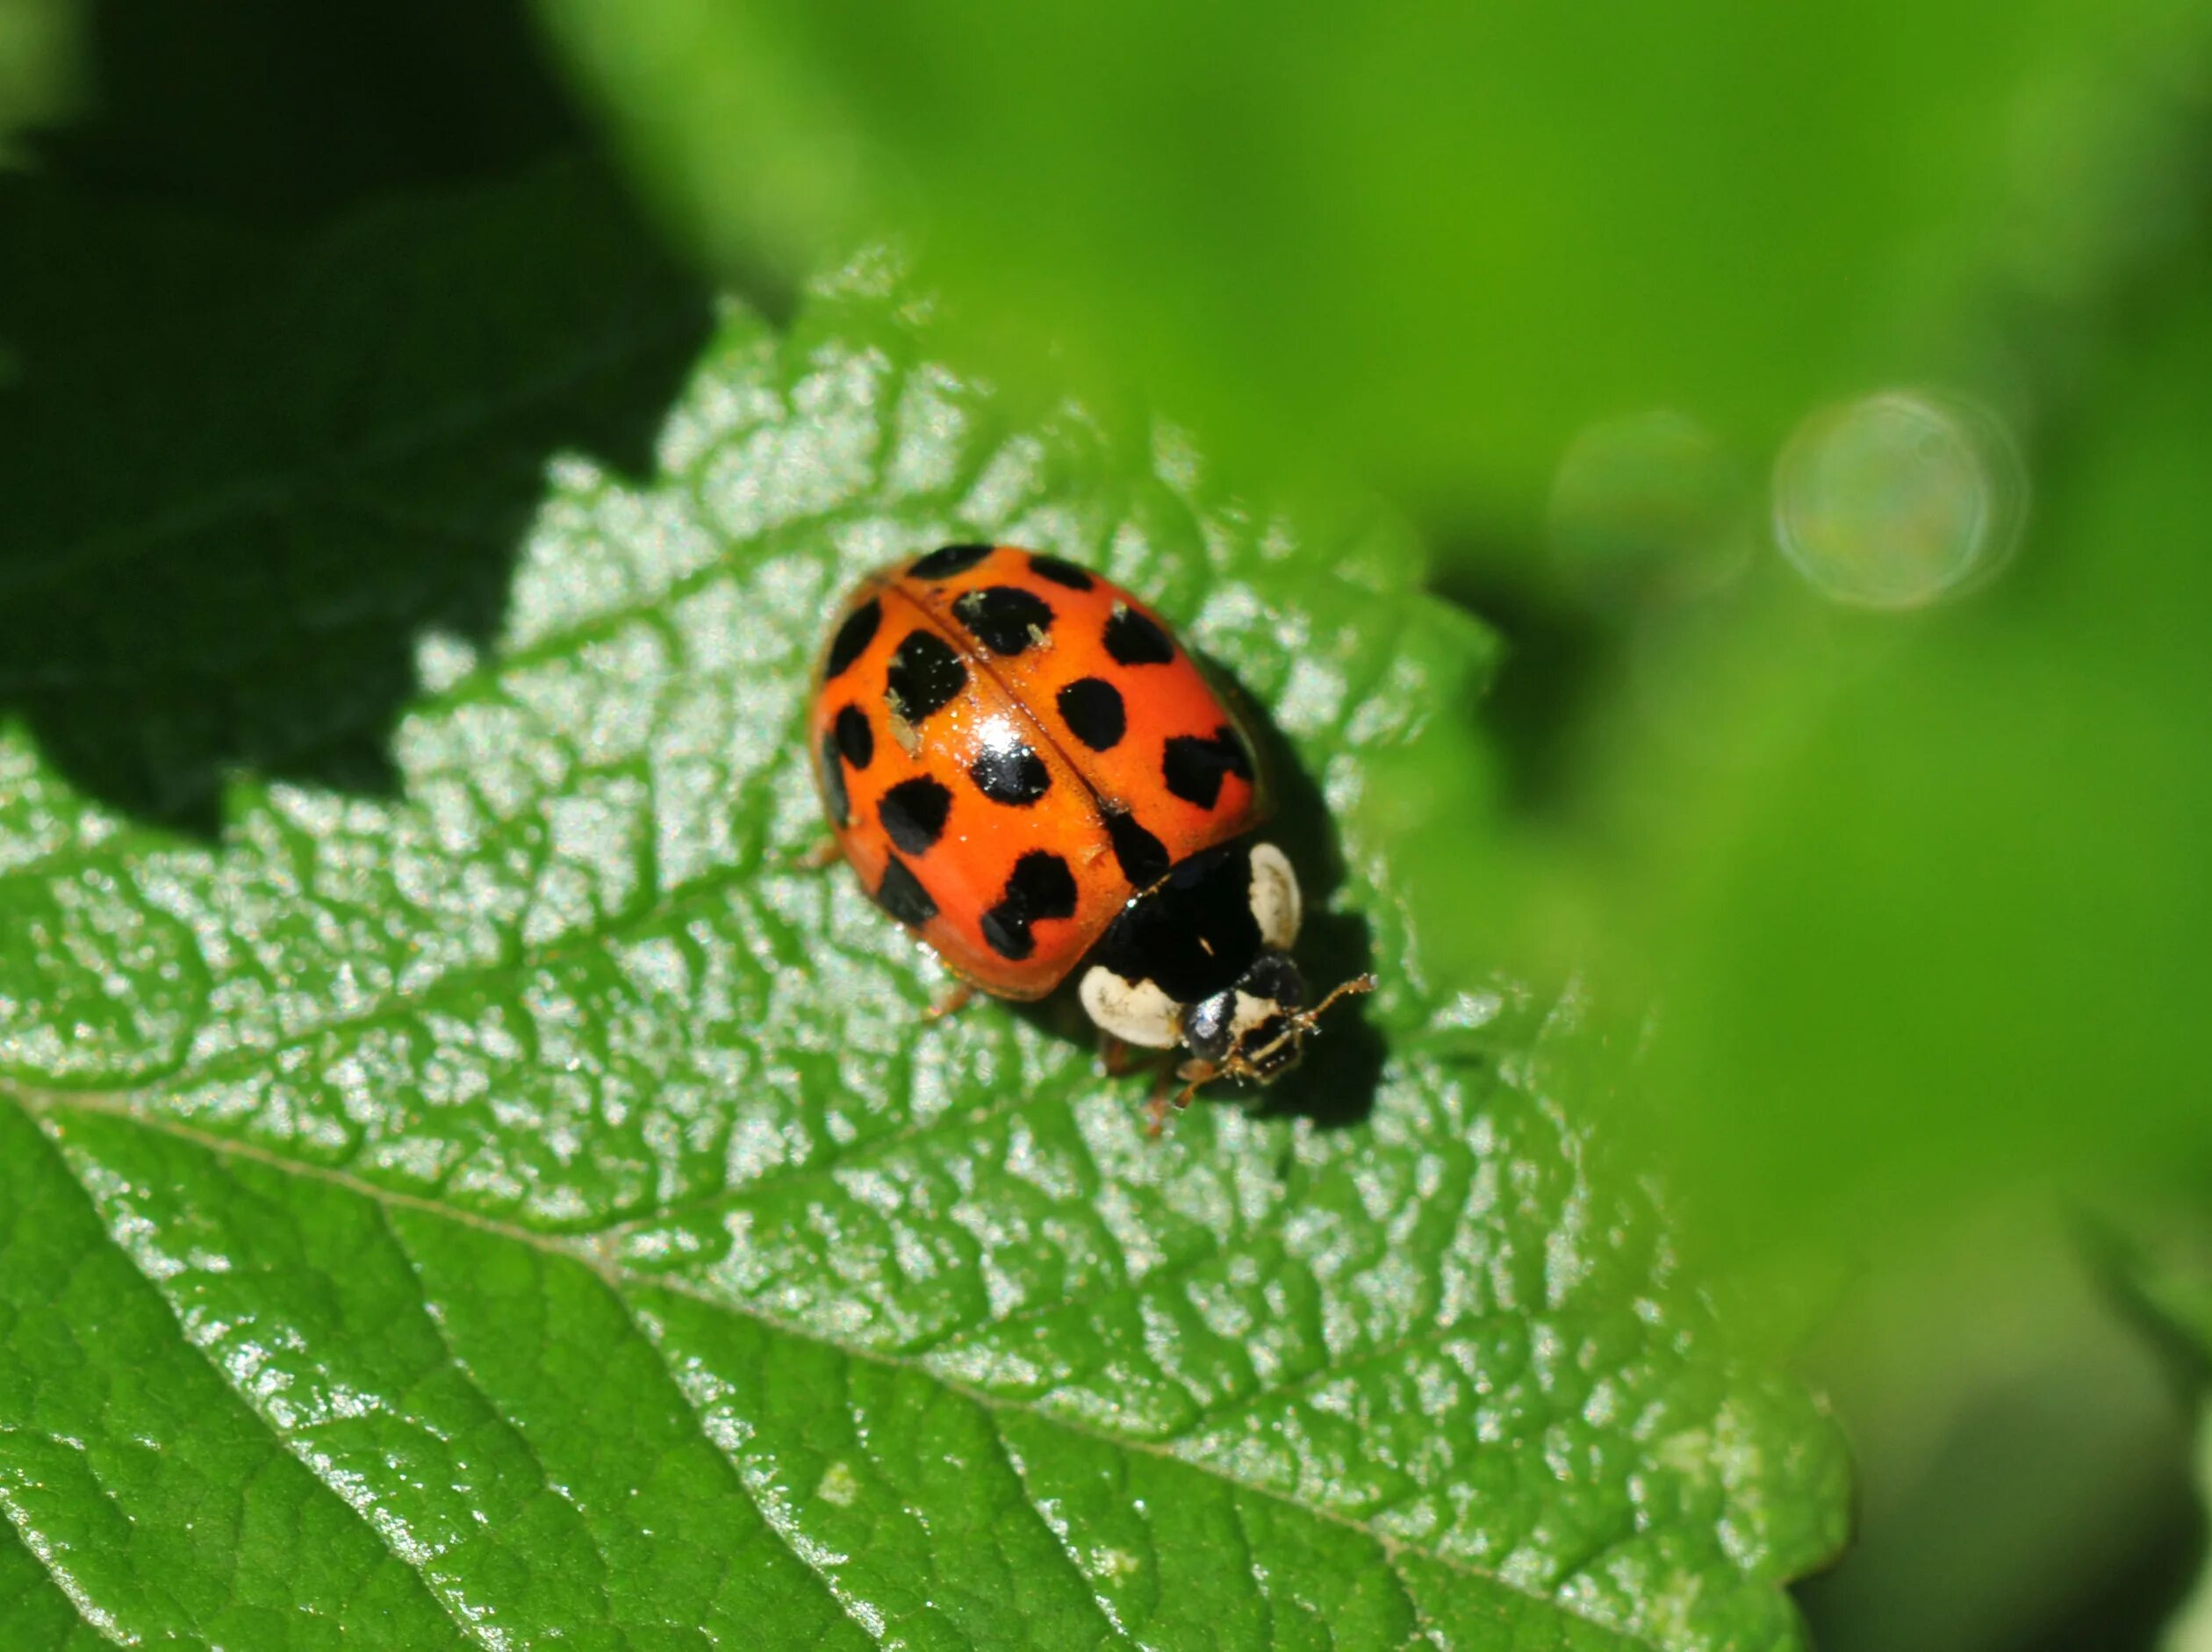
pixel 1201 959
pixel 1257 1029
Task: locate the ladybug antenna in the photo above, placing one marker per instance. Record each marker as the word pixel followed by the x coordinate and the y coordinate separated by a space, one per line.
pixel 1305 1019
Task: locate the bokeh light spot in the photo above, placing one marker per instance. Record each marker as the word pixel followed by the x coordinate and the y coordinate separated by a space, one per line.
pixel 1899 499
pixel 1649 500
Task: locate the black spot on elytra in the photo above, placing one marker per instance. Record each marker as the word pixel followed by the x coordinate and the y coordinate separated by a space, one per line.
pixel 901 894
pixel 1041 887
pixel 947 560
pixel 914 813
pixel 1060 573
pixel 1010 774
pixel 854 634
pixel 925 675
pixel 834 796
pixel 1193 767
pixel 1143 856
pixel 855 739
pixel 1134 640
pixel 1092 708
pixel 1004 619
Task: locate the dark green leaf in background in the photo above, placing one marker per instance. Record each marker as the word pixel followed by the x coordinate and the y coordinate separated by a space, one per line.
pixel 1427 245
pixel 41 52
pixel 516 1197
pixel 284 115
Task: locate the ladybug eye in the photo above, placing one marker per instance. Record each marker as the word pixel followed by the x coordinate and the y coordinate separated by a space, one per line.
pixel 1209 1027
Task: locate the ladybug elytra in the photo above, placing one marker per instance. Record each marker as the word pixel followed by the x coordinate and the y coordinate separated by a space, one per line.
pixel 1027 770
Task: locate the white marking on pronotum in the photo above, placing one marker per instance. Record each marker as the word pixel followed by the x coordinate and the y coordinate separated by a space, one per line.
pixel 1135 1011
pixel 1275 903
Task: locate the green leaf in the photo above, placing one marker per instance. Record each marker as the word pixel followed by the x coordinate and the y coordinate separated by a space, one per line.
pixel 526 1204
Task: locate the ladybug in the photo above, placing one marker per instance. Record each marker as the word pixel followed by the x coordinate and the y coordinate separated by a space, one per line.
pixel 1027 770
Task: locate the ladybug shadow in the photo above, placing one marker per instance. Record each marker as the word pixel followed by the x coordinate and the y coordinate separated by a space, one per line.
pixel 1336 1083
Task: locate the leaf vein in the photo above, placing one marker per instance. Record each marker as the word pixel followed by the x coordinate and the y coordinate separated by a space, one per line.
pixel 1029 1505
pixel 837 1593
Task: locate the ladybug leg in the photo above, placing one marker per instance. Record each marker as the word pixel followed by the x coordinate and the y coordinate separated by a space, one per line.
pixel 954 1001
pixel 1157 1109
pixel 1156 1112
pixel 1119 1058
pixel 822 856
pixel 1116 1057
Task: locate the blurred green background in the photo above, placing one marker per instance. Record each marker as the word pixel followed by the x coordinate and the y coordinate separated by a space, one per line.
pixel 1819 397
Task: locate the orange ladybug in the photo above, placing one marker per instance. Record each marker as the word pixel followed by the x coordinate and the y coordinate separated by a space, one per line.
pixel 1026 769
